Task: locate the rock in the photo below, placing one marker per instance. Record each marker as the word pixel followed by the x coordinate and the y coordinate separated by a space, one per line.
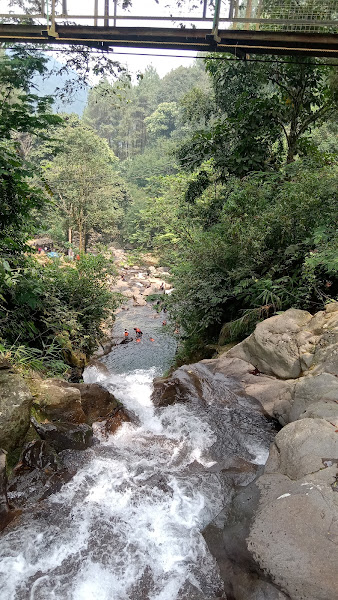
pixel 58 401
pixel 308 390
pixel 15 404
pixel 139 300
pixel 27 487
pixel 326 353
pixel 294 535
pixel 168 390
pixel 275 395
pixel 302 446
pixel 6 514
pixel 322 410
pixel 226 539
pixel 62 436
pixel 96 401
pixel 105 427
pixel 4 363
pixel 274 347
pixel 37 454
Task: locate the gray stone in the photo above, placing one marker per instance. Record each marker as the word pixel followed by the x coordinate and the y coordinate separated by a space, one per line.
pixel 294 535
pixel 15 403
pixel 275 395
pixel 303 446
pixel 63 436
pixel 322 410
pixel 273 348
pixel 308 390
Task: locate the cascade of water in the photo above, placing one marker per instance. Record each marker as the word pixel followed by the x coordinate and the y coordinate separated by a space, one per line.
pixel 128 526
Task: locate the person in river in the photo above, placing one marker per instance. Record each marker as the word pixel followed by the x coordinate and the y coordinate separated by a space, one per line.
pixel 126 333
pixel 138 332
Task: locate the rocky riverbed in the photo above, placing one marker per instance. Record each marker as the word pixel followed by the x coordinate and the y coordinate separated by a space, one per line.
pixel 207 453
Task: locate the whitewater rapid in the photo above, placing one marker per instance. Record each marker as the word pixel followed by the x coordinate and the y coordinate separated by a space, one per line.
pixel 128 525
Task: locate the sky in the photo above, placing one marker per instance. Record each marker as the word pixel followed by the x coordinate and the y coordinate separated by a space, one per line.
pixel 163 64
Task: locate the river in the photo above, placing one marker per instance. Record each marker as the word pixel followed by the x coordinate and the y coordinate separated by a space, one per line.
pixel 128 526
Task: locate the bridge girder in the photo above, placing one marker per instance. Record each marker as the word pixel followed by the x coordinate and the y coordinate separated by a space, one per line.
pixel 239 42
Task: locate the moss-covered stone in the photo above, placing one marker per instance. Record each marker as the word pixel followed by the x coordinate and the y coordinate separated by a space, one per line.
pixel 15 404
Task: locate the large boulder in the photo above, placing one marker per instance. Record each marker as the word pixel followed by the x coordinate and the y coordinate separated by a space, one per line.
pixel 294 535
pixel 274 347
pixel 57 401
pixel 303 447
pixel 96 401
pixel 275 395
pixel 293 343
pixel 64 436
pixel 15 404
pixel 310 390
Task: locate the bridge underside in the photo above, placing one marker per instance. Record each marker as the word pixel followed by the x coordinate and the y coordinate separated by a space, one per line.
pixel 240 42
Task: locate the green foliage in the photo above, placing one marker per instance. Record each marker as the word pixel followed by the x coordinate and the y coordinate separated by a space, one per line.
pixel 261 113
pixel 162 122
pixel 242 251
pixel 55 304
pixel 89 195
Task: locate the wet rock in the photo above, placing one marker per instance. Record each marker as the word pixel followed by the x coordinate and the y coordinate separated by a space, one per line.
pixel 168 390
pixel 57 400
pixel 37 454
pixel 275 395
pixel 105 427
pixel 15 404
pixel 96 401
pixel 29 486
pixel 62 436
pixel 6 515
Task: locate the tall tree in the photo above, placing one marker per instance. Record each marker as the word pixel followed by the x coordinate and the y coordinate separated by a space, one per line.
pixel 90 195
pixel 260 109
pixel 21 113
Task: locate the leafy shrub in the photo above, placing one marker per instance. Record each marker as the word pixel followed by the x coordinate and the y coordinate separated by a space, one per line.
pixel 55 304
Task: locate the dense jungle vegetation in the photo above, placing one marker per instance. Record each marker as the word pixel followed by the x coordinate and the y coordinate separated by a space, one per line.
pixel 226 170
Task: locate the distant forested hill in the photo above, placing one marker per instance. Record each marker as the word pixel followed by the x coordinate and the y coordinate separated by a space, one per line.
pixel 49 83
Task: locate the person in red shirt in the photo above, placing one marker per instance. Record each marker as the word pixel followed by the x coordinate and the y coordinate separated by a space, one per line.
pixel 138 332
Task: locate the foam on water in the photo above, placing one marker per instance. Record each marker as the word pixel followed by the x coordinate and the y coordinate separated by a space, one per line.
pixel 128 525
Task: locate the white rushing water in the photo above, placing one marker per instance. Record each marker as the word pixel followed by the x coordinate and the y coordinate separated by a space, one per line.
pixel 128 525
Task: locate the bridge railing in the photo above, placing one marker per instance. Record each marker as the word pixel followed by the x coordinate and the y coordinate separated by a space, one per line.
pixel 271 15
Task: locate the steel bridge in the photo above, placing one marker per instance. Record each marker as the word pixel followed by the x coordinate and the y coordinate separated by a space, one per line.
pixel 293 27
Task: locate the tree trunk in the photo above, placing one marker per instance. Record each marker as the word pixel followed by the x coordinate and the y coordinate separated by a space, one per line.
pixel 248 13
pixel 80 239
pixel 70 235
pixel 292 138
pixel 86 240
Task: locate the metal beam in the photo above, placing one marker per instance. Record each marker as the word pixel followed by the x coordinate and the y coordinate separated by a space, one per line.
pixel 230 40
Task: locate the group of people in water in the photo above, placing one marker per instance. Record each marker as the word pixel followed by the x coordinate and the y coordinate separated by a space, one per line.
pixel 138 335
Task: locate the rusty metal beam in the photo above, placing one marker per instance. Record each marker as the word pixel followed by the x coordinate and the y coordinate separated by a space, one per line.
pixel 230 40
